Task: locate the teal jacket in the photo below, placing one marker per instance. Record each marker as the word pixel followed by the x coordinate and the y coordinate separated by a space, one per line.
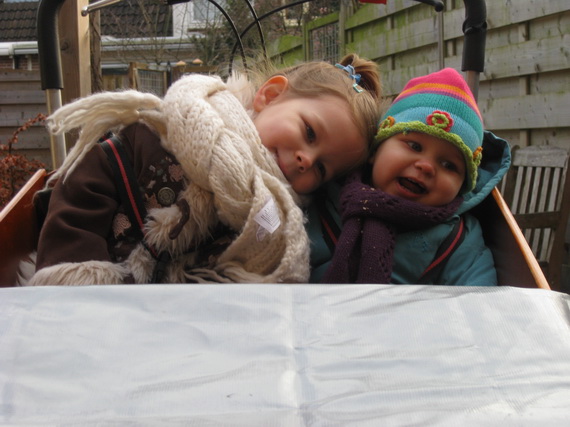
pixel 471 264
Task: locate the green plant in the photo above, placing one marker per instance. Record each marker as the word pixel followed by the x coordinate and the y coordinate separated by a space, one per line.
pixel 16 169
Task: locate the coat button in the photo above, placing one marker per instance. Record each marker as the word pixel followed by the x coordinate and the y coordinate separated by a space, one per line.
pixel 166 196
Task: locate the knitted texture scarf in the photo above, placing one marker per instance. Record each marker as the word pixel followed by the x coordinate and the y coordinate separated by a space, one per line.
pixel 231 177
pixel 371 220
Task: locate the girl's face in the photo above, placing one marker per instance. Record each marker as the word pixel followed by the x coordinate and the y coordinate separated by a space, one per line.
pixel 419 167
pixel 312 139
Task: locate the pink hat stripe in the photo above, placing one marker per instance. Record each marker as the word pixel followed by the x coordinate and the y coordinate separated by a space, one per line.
pixel 441 89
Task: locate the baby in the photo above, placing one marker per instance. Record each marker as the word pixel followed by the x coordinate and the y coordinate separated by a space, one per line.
pixel 424 177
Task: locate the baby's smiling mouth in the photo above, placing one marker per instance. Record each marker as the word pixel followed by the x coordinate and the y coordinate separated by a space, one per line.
pixel 412 186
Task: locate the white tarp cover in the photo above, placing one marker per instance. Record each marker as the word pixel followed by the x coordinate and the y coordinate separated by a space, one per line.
pixel 284 355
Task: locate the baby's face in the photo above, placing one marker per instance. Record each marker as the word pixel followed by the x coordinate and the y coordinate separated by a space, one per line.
pixel 419 167
pixel 312 139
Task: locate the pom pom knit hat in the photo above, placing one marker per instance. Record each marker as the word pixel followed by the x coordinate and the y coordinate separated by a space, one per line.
pixel 442 105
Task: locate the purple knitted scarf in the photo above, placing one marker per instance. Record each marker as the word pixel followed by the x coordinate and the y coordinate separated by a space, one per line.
pixel 371 219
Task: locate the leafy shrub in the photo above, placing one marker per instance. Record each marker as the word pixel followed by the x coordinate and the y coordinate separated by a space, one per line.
pixel 16 169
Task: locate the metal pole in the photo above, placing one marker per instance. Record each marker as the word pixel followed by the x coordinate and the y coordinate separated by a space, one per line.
pixel 50 64
pixel 57 142
pixel 440 40
pixel 50 68
pixel 475 31
pixel 97 5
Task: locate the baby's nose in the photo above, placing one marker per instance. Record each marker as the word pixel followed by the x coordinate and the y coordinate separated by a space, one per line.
pixel 426 166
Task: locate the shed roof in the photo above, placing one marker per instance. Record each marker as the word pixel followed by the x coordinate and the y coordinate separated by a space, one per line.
pixel 121 20
pixel 18 21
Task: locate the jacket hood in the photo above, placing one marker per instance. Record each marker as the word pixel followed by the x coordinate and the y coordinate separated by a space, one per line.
pixel 494 165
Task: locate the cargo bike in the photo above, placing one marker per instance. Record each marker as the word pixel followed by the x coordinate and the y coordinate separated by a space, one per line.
pixel 288 354
pixel 516 265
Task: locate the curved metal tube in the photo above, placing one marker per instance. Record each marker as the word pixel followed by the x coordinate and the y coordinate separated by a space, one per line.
pixel 251 24
pixel 50 68
pixel 48 44
pixel 475 33
pixel 258 24
pixel 438 5
pixel 234 29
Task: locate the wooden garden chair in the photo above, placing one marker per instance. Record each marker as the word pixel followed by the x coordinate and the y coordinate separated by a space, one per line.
pixel 537 190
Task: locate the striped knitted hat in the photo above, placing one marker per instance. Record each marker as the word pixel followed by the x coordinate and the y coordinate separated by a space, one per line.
pixel 442 105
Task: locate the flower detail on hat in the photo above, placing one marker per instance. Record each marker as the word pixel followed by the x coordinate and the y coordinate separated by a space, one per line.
pixel 388 122
pixel 440 119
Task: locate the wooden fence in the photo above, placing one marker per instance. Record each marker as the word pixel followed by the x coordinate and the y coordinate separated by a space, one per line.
pixel 524 92
pixel 21 99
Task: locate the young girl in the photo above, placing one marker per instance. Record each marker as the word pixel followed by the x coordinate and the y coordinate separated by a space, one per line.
pixel 431 166
pixel 218 164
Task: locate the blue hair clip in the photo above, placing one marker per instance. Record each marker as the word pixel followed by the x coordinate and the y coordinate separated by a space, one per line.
pixel 352 74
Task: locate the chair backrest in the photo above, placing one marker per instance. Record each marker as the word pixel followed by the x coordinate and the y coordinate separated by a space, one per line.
pixel 515 263
pixel 537 190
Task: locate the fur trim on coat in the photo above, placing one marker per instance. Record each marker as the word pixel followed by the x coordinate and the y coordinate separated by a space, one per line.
pixel 84 273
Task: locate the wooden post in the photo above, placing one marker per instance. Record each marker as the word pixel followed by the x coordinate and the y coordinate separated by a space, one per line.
pixel 346 11
pixel 75 56
pixel 524 85
pixel 95 45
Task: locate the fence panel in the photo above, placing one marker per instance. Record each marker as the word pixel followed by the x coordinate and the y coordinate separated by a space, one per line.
pixel 21 99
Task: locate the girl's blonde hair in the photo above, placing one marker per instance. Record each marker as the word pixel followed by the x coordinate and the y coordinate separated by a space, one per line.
pixel 313 79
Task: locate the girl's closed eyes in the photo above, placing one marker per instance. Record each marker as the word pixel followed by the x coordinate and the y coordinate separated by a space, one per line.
pixel 311 135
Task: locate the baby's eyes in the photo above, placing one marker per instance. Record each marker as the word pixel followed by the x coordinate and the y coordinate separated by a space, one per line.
pixel 414 146
pixel 446 164
pixel 451 166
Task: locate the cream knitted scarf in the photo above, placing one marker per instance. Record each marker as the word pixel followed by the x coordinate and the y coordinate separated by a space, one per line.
pixel 232 177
